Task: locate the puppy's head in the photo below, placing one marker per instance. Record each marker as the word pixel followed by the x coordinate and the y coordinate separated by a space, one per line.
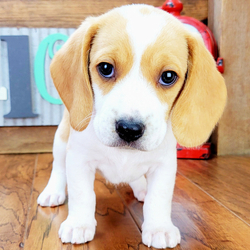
pixel 135 68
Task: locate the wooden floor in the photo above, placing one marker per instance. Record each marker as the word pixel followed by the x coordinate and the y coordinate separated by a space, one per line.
pixel 211 207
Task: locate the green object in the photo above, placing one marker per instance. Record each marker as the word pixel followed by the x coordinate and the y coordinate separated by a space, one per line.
pixel 39 65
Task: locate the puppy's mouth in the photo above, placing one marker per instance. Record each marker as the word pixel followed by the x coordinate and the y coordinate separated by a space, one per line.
pixel 128 145
pixel 128 135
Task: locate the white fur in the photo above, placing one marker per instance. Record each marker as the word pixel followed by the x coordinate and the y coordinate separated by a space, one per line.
pixel 98 147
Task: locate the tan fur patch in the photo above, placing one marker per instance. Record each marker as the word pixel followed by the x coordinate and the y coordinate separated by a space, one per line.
pixel 198 105
pixel 111 44
pixel 202 101
pixel 146 11
pixel 69 71
pixel 166 54
pixel 64 127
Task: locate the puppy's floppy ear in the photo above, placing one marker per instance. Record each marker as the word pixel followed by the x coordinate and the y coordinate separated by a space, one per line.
pixel 69 71
pixel 202 100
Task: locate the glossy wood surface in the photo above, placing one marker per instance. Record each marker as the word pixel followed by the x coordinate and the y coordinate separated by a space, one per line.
pixel 210 207
pixel 26 139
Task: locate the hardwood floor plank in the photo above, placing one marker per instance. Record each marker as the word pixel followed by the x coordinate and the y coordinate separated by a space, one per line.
pixel 227 179
pixel 43 223
pixel 115 227
pixel 204 223
pixel 19 140
pixel 16 175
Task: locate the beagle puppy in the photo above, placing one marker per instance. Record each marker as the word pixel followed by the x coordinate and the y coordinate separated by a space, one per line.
pixel 134 82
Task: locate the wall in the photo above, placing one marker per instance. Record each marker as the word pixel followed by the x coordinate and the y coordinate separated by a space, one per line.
pixel 230 22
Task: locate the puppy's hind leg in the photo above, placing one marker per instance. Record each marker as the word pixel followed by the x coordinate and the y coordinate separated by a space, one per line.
pixel 139 188
pixel 54 193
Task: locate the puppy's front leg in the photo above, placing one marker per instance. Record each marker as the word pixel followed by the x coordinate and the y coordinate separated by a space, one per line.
pixel 79 227
pixel 158 230
pixel 54 193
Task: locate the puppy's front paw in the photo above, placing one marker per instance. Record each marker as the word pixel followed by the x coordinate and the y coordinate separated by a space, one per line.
pixel 51 198
pixel 162 237
pixel 72 231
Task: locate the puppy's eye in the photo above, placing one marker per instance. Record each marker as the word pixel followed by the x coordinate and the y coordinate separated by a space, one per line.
pixel 106 69
pixel 168 78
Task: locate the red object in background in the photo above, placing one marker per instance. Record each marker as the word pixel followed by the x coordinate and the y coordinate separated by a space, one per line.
pixel 220 64
pixel 202 152
pixel 175 7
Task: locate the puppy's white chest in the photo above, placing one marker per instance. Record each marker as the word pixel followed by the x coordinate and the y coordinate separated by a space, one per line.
pixel 119 167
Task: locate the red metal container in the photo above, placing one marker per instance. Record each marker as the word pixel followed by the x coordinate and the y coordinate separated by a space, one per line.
pixel 202 152
pixel 175 7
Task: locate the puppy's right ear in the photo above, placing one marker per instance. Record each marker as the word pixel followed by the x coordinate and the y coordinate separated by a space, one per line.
pixel 69 71
pixel 203 98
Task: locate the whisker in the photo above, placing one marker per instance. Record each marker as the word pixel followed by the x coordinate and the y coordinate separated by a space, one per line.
pixel 83 122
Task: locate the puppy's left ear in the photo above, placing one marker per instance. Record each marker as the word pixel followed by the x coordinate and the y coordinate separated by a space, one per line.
pixel 202 100
pixel 69 71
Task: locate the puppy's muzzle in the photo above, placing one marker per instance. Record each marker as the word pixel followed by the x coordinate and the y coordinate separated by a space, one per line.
pixel 129 131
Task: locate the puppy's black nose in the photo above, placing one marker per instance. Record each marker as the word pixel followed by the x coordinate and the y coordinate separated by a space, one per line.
pixel 129 131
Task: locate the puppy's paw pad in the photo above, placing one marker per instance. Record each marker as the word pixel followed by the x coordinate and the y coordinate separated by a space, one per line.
pixel 51 199
pixel 163 238
pixel 74 233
